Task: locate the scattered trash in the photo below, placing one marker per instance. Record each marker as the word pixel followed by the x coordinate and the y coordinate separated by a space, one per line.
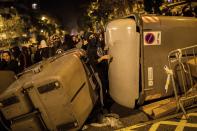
pixel 111 120
pixel 84 127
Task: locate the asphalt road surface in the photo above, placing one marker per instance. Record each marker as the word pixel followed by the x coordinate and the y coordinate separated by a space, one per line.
pixel 136 120
pixel 174 124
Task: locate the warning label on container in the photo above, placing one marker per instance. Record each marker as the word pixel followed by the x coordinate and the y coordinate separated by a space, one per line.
pixel 150 76
pixel 152 38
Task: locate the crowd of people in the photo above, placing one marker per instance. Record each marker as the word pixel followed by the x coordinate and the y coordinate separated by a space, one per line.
pixel 169 7
pixel 18 58
pixel 179 10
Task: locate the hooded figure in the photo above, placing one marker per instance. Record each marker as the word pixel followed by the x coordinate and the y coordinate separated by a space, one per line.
pixel 19 57
pixel 92 50
pixel 9 63
pixel 68 42
pixel 98 60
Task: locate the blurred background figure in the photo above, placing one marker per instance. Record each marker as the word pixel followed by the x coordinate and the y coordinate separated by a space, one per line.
pixel 27 55
pixel 68 42
pixel 55 45
pixel 19 56
pixel 42 51
pixel 195 11
pixel 187 11
pixel 9 63
pixel 2 62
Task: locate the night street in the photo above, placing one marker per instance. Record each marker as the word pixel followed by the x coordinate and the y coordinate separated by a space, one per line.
pixel 136 120
pixel 98 65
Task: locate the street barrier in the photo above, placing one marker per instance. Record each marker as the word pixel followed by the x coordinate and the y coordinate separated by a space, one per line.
pixel 183 75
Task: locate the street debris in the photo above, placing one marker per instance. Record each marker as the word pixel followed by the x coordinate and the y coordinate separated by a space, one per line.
pixel 111 120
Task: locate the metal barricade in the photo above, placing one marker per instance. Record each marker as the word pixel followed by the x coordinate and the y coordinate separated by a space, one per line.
pixel 183 67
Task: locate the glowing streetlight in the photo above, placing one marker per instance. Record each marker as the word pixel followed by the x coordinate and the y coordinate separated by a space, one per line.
pixel 43 18
pixel 34 6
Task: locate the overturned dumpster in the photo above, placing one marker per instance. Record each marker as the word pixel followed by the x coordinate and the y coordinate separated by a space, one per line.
pixel 55 94
pixel 139 46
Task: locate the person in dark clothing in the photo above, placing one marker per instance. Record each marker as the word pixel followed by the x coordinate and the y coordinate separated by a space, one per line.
pixel 19 57
pixel 2 64
pixel 57 48
pixel 95 51
pixel 152 6
pixel 85 40
pixel 55 45
pixel 45 52
pixel 98 60
pixel 9 64
pixel 84 44
pixel 37 56
pixel 148 6
pixel 27 56
pixel 42 52
pixel 68 42
pixel 195 11
pixel 103 60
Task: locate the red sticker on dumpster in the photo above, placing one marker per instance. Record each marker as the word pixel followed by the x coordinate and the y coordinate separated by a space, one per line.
pixel 152 38
pixel 149 38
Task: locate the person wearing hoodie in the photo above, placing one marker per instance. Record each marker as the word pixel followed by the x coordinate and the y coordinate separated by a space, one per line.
pixel 9 63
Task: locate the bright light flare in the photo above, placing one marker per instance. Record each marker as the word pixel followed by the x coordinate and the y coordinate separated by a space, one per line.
pixel 34 6
pixel 43 18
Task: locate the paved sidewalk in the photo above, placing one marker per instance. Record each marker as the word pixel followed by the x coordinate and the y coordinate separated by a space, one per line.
pixel 174 124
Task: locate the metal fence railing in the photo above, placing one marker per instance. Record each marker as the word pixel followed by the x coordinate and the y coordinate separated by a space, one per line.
pixel 183 67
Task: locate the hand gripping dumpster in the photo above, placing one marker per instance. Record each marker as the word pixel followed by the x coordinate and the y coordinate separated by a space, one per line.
pixel 55 94
pixel 139 46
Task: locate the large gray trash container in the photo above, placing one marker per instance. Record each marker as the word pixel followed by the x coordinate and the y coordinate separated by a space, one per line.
pixel 58 89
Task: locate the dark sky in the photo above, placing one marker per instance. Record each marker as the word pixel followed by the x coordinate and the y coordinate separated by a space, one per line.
pixel 67 11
